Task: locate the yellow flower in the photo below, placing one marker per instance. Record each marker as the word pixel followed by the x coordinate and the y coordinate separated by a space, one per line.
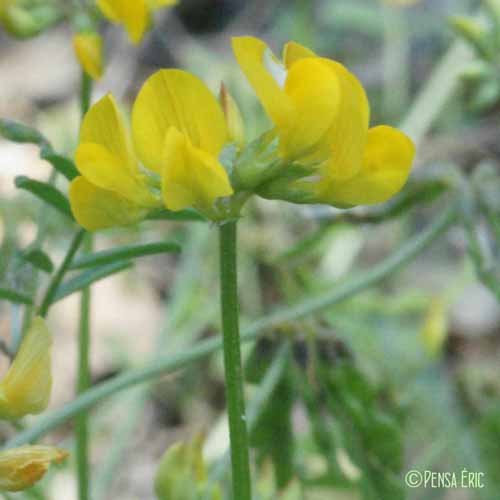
pixel 178 130
pixel 88 50
pixel 135 15
pixel 321 114
pixel 21 468
pixel 25 389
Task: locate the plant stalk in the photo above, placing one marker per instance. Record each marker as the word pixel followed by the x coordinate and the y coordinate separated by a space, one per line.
pixel 84 379
pixel 238 434
pixel 83 383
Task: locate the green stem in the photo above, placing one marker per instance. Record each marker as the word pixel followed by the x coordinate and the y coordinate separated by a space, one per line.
pixel 258 404
pixel 83 383
pixel 59 275
pixel 238 435
pixel 85 93
pixel 171 363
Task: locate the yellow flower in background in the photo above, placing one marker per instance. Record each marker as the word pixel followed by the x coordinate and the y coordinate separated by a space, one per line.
pixel 21 468
pixel 88 50
pixel 321 114
pixel 135 15
pixel 178 130
pixel 434 331
pixel 25 389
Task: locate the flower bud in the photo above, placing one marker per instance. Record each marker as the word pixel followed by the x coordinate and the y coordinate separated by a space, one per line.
pixel 235 125
pixel 88 50
pixel 25 389
pixel 182 474
pixel 21 468
pixel 27 19
pixel 435 328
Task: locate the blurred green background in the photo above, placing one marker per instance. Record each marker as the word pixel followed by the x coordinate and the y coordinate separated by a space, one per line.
pixel 405 375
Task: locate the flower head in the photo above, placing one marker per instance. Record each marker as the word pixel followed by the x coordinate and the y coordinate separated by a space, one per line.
pixel 25 389
pixel 321 114
pixel 21 468
pixel 135 15
pixel 178 131
pixel 88 50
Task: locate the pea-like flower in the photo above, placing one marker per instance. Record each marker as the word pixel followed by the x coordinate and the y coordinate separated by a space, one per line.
pixel 321 114
pixel 25 389
pixel 134 15
pixel 178 131
pixel 88 49
pixel 21 468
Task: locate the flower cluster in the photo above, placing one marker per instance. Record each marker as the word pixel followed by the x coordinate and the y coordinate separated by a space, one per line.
pixel 185 150
pixel 24 390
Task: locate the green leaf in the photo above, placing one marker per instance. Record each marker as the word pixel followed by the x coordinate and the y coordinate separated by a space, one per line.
pixel 62 164
pixel 182 215
pixel 375 444
pixel 86 278
pixel 473 32
pixel 17 132
pixel 123 253
pixel 39 259
pixel 47 193
pixel 13 296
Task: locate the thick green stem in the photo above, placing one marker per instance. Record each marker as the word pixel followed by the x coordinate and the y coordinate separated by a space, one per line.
pixel 83 383
pixel 238 435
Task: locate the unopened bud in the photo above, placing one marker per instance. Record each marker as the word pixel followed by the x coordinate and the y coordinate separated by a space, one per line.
pixel 234 121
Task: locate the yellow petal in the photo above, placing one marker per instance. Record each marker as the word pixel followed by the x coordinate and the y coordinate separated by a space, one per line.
pixel 104 125
pixel 21 468
pixel 158 4
pixel 175 98
pixel 106 171
pixel 25 389
pixel 88 49
pixel 95 208
pixel 344 143
pixel 133 14
pixel 387 162
pixel 315 92
pixel 191 177
pixel 258 64
pixel 293 52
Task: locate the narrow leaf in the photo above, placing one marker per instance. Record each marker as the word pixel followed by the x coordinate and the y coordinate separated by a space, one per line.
pixel 17 132
pixel 47 193
pixel 39 259
pixel 13 296
pixel 86 278
pixel 182 215
pixel 62 164
pixel 123 253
